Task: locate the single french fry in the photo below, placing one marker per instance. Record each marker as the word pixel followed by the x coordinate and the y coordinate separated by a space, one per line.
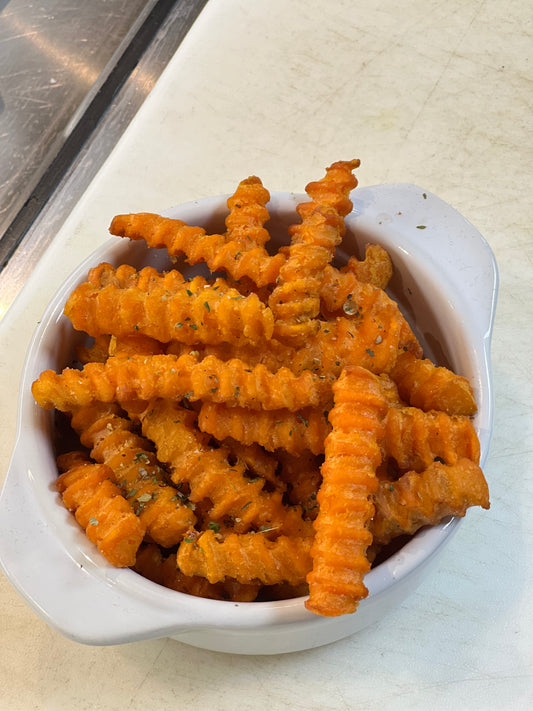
pixel 336 582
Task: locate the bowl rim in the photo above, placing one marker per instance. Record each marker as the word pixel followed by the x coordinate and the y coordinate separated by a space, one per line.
pixel 379 211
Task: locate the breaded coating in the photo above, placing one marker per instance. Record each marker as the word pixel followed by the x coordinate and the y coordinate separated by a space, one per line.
pixel 303 478
pixel 89 491
pixel 176 377
pixel 352 454
pixel 415 438
pixel 163 510
pixel 198 246
pixel 248 214
pixel 416 500
pixel 429 387
pixel 235 499
pixel 246 557
pixel 294 432
pixel 193 312
pixel 163 570
pixel 375 268
pixel 344 295
pixel 295 300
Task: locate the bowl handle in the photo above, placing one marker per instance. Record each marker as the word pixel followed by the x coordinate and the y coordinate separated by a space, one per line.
pixel 64 592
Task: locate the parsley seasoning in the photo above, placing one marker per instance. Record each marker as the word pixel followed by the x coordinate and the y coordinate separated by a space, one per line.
pixel 93 521
pixel 420 227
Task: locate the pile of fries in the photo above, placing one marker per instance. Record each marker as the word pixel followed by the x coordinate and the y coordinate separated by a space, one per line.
pixel 262 435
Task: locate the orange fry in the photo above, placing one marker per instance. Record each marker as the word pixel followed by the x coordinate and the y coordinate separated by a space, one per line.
pixel 198 246
pixel 89 491
pixel 295 432
pixel 160 569
pixel 246 558
pixel 345 497
pixel 164 512
pixel 415 438
pixel 144 377
pixel 416 500
pixel 235 498
pixel 375 268
pixel 429 387
pixel 191 313
pixel 295 300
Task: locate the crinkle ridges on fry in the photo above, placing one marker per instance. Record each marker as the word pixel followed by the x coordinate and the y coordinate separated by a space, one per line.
pixel 246 557
pixel 163 570
pixel 145 377
pixel 190 313
pixel 342 535
pixel 295 300
pixel 423 384
pixel 160 507
pixel 424 499
pixel 91 493
pixel 219 255
pixel 295 432
pixel 236 500
pixel 415 438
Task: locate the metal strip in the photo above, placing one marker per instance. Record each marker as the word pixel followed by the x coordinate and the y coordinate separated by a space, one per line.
pixel 96 149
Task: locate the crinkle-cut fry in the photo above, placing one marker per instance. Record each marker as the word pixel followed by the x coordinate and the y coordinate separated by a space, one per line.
pixel 188 314
pixel 333 190
pixel 126 276
pixel 352 454
pixel 429 387
pixel 375 268
pixel 424 499
pixel 246 557
pixel 295 300
pixel 162 509
pixel 90 492
pixel 343 294
pixel 209 475
pixel 371 342
pixel 274 357
pixel 161 569
pixel 166 376
pixel 248 214
pixel 303 478
pixel 295 432
pixel 198 246
pixel 415 438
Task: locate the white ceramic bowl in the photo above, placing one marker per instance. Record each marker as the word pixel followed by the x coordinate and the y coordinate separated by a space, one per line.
pixel 446 282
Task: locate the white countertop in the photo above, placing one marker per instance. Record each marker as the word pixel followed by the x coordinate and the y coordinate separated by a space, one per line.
pixel 436 94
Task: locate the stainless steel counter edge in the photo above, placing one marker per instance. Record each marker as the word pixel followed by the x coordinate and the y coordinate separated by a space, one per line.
pixel 96 149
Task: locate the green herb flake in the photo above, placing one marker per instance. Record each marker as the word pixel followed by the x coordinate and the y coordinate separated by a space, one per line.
pixel 93 521
pixel 370 352
pixel 213 526
pixel 420 227
pixel 208 309
pixel 302 419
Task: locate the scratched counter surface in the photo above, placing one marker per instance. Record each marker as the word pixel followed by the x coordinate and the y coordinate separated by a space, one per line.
pixel 424 92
